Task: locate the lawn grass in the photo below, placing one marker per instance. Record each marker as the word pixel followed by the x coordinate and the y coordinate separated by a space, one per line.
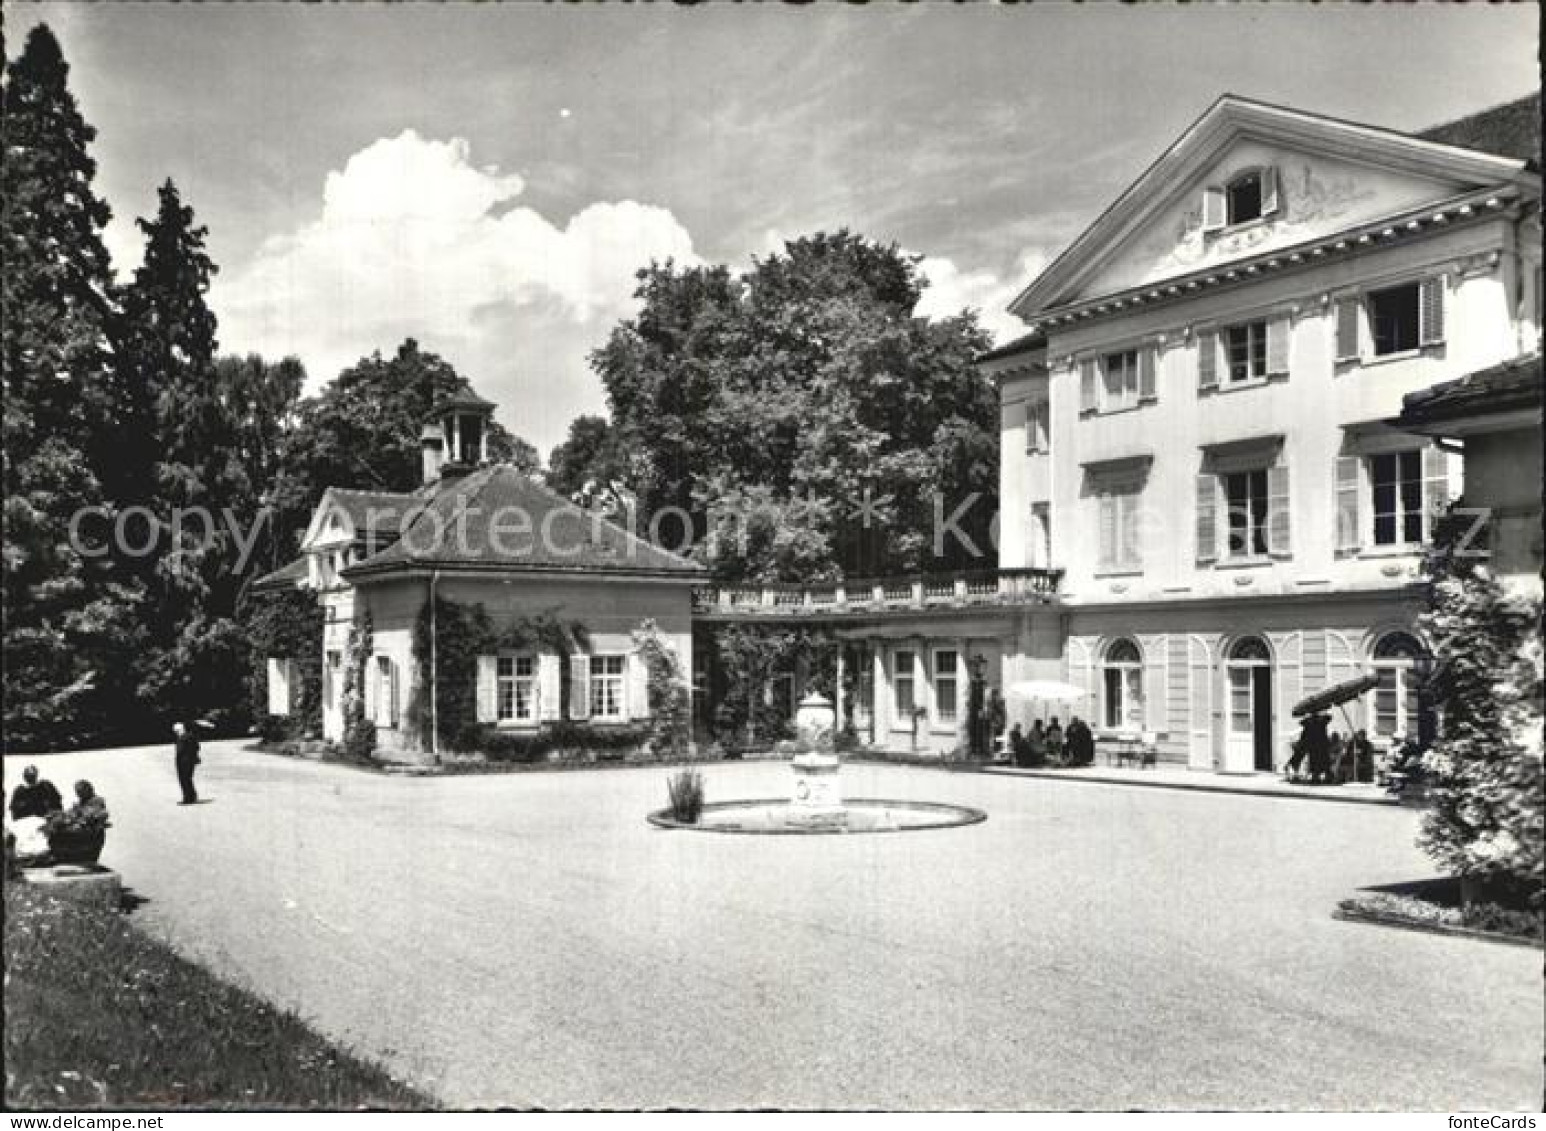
pixel 98 1014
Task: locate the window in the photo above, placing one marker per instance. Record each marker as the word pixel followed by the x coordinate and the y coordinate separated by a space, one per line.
pixel 1247 348
pixel 1397 482
pixel 1118 504
pixel 1119 380
pixel 1245 493
pixel 386 693
pixel 1243 197
pixel 1396 704
pixel 606 687
pixel 1122 674
pixel 902 690
pixel 1040 549
pixel 1036 426
pixel 1395 318
pixel 515 698
pixel 945 684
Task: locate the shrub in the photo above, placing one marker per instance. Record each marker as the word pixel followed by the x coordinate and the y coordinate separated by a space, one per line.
pixel 1485 820
pixel 273 728
pixel 670 723
pixel 685 790
pixel 359 743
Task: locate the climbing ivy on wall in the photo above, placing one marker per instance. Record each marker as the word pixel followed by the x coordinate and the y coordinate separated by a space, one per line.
pixel 359 732
pixel 462 634
pixel 670 722
pixel 287 625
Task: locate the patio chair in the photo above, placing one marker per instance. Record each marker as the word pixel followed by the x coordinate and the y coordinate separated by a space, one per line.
pixel 1148 751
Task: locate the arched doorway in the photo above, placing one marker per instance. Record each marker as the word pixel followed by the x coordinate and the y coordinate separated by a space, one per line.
pixel 1122 687
pixel 1248 700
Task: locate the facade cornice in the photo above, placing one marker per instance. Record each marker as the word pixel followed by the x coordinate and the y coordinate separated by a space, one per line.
pixel 1468 209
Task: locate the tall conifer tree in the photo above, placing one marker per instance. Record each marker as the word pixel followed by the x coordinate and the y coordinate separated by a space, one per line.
pixel 68 623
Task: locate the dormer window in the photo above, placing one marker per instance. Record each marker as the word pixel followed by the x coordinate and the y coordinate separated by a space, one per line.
pixel 1243 198
pixel 1250 195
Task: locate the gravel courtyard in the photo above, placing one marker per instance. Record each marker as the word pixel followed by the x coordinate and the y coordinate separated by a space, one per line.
pixel 528 940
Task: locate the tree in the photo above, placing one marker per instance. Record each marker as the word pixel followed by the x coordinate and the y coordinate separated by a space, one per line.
pixel 197 485
pixel 1485 823
pixel 590 457
pixel 808 391
pixel 70 623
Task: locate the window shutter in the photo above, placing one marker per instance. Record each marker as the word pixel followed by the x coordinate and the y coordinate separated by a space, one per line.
pixel 579 687
pixel 1207 518
pixel 1347 329
pixel 1030 426
pixel 550 689
pixel 1269 191
pixel 487 673
pixel 1278 512
pixel 1435 485
pixel 369 675
pixel 1431 311
pixel 1212 208
pixel 1146 383
pixel 1154 688
pixel 637 691
pixel 1277 346
pixel 1349 497
pixel 1087 385
pixel 1108 532
pixel 394 697
pixel 278 690
pixel 1207 361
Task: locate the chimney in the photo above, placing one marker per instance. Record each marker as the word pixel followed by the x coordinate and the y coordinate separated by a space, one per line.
pixel 432 448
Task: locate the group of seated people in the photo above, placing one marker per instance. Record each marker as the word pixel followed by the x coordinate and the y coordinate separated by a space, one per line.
pixel 36 808
pixel 1052 745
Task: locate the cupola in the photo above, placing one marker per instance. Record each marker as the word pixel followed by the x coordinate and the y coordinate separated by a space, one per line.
pixel 455 437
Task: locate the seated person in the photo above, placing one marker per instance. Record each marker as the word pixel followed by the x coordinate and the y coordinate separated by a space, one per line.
pixel 1036 744
pixel 1019 746
pixel 1081 743
pixel 88 802
pixel 1055 741
pixel 34 798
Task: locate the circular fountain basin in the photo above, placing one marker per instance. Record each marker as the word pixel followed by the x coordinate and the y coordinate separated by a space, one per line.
pixel 857 815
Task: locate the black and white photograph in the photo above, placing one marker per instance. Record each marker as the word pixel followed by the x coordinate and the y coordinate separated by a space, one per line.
pixel 772 557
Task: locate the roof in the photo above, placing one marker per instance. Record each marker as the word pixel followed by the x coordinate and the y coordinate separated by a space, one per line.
pixel 285 577
pixel 1017 346
pixel 1231 117
pixel 499 519
pixel 1506 387
pixel 1510 130
pixel 461 397
pixel 373 510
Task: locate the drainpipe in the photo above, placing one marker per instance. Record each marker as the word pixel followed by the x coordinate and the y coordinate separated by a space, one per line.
pixel 434 683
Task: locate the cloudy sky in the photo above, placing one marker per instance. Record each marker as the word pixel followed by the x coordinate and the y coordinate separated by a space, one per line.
pixel 487 178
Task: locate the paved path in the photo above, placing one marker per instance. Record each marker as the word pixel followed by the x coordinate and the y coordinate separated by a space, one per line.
pixel 530 940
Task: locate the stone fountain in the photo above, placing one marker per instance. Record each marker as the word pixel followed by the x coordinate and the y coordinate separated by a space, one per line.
pixel 816 803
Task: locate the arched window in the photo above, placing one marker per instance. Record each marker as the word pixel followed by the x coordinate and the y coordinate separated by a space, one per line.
pixel 1243 197
pixel 1122 681
pixel 1396 706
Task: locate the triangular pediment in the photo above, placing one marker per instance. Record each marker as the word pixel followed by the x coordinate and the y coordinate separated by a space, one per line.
pixel 1325 176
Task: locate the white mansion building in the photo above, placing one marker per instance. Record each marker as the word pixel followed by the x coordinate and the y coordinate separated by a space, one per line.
pixel 1195 431
pixel 1207 512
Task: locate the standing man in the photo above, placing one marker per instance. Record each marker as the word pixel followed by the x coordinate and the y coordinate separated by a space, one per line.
pixel 187 747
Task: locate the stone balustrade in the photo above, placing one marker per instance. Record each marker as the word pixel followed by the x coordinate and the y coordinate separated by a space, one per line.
pixel 867 597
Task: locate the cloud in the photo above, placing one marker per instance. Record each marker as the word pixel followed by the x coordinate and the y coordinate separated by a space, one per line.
pixel 416 240
pixel 951 290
